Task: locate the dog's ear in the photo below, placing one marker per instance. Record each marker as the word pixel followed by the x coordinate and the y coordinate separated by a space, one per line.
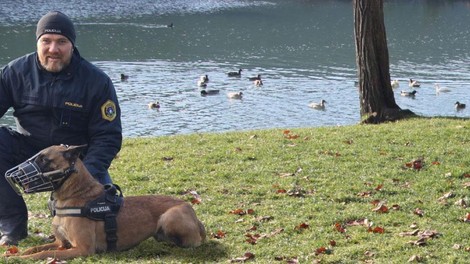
pixel 73 152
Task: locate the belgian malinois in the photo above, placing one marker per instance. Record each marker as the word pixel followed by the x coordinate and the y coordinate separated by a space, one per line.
pixel 60 170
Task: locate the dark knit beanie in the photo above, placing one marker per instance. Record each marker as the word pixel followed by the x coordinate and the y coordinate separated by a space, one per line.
pixel 56 22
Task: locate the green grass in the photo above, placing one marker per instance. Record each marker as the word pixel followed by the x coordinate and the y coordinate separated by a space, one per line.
pixel 300 187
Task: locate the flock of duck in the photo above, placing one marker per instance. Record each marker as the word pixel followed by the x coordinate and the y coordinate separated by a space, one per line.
pixel 204 80
pixel 415 84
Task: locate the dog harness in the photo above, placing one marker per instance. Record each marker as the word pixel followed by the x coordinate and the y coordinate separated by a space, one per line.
pixel 104 208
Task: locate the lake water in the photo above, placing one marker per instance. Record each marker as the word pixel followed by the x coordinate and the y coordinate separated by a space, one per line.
pixel 304 51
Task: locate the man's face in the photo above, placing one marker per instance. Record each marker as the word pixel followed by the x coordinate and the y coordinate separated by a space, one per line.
pixel 54 52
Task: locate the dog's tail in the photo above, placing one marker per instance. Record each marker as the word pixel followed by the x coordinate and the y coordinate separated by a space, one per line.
pixel 180 225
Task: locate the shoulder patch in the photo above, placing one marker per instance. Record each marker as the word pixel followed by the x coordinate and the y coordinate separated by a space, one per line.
pixel 108 110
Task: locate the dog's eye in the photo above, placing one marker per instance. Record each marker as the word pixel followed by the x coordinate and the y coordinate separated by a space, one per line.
pixel 42 161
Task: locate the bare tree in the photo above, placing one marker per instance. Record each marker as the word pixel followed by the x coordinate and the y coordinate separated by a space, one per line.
pixel 376 95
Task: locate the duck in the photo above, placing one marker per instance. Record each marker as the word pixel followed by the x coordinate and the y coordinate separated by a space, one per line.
pixel 235 95
pixel 409 94
pixel 459 106
pixel 204 78
pixel 319 106
pixel 257 77
pixel 209 92
pixel 201 83
pixel 154 105
pixel 440 89
pixel 414 83
pixel 124 77
pixel 235 74
pixel 170 25
pixel 395 84
pixel 258 83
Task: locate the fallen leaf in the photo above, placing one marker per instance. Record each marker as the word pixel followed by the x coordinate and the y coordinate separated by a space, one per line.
pixel 358 222
pixel 320 250
pixel 339 227
pixel 419 242
pixel 264 218
pixel 246 256
pixel 11 250
pixel 461 203
pixel 55 261
pixel 292 261
pixel 253 228
pixel 446 196
pixel 238 212
pixel 332 243
pixel 301 226
pixel 379 187
pixel 377 229
pixel 415 258
pixel 418 212
pixel 381 208
pixel 457 246
pixel 365 194
pixel 428 234
pixel 219 234
pixel 467 218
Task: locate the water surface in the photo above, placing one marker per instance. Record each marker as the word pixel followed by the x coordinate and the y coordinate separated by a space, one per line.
pixel 304 51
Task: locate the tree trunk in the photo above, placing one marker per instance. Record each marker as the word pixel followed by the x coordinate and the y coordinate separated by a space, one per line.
pixel 377 100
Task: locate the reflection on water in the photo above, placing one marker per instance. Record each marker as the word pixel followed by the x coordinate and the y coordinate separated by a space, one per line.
pixel 304 51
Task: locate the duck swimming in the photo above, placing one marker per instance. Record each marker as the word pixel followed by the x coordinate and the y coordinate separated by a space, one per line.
pixel 154 105
pixel 395 84
pixel 235 74
pixel 258 83
pixel 413 83
pixel 318 106
pixel 440 89
pixel 410 94
pixel 204 78
pixel 209 92
pixel 258 77
pixel 235 95
pixel 201 83
pixel 459 106
pixel 124 77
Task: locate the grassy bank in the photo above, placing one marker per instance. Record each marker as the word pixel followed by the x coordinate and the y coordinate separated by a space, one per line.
pixel 356 194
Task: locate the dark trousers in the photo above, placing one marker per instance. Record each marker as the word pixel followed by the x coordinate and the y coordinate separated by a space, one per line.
pixel 13 213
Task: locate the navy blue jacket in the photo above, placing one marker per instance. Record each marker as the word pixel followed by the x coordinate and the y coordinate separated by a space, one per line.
pixel 77 106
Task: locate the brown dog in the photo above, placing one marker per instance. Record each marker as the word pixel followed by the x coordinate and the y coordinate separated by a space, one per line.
pixel 139 217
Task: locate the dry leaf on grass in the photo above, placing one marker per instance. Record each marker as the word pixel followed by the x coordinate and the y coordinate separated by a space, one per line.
pixel 246 256
pixel 418 212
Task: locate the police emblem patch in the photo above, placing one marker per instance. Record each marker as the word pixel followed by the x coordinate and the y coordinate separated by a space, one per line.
pixel 108 110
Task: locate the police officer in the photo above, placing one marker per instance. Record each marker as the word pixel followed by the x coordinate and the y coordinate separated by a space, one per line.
pixel 58 98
